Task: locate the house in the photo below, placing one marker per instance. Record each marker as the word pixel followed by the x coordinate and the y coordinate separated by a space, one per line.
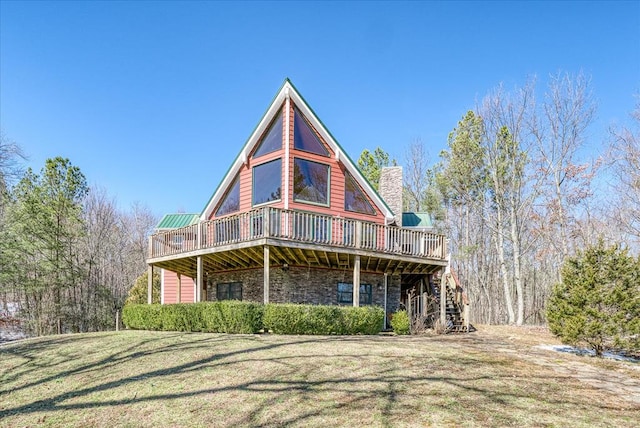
pixel 294 220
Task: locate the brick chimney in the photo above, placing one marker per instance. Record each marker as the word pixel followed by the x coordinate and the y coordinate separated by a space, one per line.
pixel 391 190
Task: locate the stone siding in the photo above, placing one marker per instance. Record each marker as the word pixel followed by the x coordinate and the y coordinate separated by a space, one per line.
pixel 305 285
pixel 391 190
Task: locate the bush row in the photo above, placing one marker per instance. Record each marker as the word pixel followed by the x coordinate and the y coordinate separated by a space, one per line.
pixel 314 319
pixel 244 317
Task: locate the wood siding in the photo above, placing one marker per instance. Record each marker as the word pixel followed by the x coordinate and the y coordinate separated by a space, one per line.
pixel 336 180
pixel 170 290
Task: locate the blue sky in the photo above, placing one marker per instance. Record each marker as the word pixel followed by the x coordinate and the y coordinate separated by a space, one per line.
pixel 154 100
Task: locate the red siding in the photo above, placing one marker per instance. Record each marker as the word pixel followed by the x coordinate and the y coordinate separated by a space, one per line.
pixel 337 180
pixel 170 290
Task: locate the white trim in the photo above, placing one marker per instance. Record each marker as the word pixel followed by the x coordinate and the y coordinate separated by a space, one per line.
pixel 286 150
pixel 287 92
pixel 333 145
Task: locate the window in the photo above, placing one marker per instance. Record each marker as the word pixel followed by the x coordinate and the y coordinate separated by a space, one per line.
pixel 304 138
pixel 231 201
pixel 229 291
pixel 354 198
pixel 310 182
pixel 272 139
pixel 267 182
pixel 345 293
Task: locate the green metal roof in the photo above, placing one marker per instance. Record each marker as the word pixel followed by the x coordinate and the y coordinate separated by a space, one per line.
pixel 175 221
pixel 411 219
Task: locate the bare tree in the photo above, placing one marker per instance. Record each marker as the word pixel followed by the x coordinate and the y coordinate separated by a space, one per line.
pixel 416 179
pixel 560 132
pixel 10 156
pixel 624 152
pixel 507 142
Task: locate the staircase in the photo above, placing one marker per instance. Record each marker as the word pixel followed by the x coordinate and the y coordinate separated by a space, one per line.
pixel 455 318
pixel 457 304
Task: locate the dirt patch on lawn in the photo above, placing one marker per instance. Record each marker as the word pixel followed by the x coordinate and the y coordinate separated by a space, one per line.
pixel 618 377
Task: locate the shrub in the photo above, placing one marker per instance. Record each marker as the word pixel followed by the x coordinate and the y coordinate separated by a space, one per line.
pixel 212 317
pixel 142 316
pixel 400 322
pixel 598 301
pixel 318 319
pixel 232 316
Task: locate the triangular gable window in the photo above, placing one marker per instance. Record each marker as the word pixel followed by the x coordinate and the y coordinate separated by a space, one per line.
pixel 231 201
pixel 272 140
pixel 354 198
pixel 304 138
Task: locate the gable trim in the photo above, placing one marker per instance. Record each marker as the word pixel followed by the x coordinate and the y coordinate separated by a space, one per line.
pixel 285 95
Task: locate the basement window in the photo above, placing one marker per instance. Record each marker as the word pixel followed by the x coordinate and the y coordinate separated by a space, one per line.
pixel 345 293
pixel 229 291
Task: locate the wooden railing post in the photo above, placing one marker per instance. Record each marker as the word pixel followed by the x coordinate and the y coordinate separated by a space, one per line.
pixel 150 254
pixel 358 234
pixel 266 213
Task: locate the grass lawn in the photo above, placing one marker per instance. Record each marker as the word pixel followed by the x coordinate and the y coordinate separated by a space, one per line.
pixel 493 377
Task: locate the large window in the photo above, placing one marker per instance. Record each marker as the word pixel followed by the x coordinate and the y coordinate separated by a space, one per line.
pixel 354 198
pixel 304 138
pixel 231 201
pixel 310 182
pixel 345 293
pixel 229 291
pixel 267 182
pixel 272 139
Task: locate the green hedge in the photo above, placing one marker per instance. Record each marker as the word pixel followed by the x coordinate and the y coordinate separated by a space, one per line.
pixel 244 317
pixel 317 319
pixel 213 317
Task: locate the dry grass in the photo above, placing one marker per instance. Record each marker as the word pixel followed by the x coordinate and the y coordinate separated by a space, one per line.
pixel 488 378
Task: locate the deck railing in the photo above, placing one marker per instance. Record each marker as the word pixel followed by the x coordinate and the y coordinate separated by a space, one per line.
pixel 298 226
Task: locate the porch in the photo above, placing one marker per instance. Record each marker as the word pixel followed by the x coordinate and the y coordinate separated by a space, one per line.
pixel 271 237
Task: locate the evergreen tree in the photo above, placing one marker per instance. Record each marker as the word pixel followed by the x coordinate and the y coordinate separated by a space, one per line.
pixel 598 301
pixel 138 293
pixel 371 164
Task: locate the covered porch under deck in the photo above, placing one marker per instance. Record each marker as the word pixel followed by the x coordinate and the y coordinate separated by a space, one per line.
pixel 275 240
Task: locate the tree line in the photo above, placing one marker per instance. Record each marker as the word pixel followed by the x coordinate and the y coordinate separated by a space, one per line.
pixel 513 190
pixel 518 191
pixel 68 255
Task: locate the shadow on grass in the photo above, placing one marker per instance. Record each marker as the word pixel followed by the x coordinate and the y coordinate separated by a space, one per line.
pixel 387 386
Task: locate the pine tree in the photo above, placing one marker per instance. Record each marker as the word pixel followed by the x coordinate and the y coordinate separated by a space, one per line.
pixel 598 301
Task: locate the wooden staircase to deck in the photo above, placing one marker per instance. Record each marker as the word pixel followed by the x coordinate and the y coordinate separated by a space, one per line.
pixel 454 318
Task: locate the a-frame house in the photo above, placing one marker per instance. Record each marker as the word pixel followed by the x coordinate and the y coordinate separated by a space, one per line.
pixel 294 220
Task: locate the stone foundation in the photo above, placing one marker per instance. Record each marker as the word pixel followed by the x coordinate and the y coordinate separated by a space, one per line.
pixel 305 285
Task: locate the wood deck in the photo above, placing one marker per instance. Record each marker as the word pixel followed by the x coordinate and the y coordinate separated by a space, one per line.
pixel 296 238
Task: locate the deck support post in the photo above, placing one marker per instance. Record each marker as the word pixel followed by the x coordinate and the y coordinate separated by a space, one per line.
pixel 386 286
pixel 179 291
pixel 356 282
pixel 266 274
pixel 150 284
pixel 198 293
